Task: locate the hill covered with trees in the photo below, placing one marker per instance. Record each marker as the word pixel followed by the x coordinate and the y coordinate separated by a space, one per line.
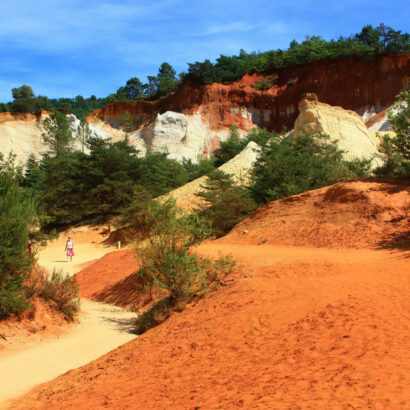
pixel 367 44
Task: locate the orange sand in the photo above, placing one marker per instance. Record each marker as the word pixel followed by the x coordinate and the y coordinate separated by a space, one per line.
pixel 41 321
pixel 321 325
pixel 111 280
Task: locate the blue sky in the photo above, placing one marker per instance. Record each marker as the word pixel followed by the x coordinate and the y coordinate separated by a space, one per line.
pixel 64 48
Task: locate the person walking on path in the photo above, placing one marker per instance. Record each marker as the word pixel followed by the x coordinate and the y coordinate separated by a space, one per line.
pixel 69 247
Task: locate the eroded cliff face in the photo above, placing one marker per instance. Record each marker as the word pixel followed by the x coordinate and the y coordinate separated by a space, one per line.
pixel 21 135
pixel 179 135
pixel 206 112
pixel 351 83
pixel 191 122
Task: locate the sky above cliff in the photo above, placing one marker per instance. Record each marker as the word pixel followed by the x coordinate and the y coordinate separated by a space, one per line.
pixel 77 47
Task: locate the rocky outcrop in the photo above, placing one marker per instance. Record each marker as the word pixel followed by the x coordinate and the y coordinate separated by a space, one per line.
pixel 345 127
pixel 106 132
pixel 181 136
pixel 366 87
pixel 21 135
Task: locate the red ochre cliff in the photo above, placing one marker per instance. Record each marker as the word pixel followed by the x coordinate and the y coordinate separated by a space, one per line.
pixel 351 83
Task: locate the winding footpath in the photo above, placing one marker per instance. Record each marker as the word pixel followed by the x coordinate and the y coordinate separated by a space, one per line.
pixel 102 328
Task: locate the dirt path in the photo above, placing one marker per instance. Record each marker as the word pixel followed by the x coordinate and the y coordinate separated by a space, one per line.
pixel 88 246
pixel 102 328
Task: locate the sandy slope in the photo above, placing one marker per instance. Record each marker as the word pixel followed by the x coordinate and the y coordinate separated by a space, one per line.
pixel 101 328
pixel 294 327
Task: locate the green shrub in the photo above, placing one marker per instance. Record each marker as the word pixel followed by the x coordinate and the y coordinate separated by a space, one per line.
pixel 166 260
pixel 291 166
pixel 135 217
pixel 225 203
pixel 59 288
pixel 263 84
pixel 213 272
pixel 396 150
pixel 235 144
pixel 229 148
pixel 157 314
pixel 204 167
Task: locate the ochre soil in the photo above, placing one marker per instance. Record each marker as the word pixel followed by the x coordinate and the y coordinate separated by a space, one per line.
pixel 356 214
pixel 323 324
pixel 41 321
pixel 111 280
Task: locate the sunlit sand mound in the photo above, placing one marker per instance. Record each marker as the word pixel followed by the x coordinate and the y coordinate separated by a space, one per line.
pixel 239 167
pixel 348 214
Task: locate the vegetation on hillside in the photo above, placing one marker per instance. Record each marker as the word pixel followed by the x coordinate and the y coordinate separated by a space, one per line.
pixel 56 288
pixel 20 232
pixel 99 182
pixel 366 44
pixel 105 179
pixel 396 149
pixel 224 203
pixel 370 42
pixel 168 263
pixel 17 217
pixel 290 166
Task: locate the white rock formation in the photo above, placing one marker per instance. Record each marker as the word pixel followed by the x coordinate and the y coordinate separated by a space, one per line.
pixel 345 127
pixel 181 136
pixel 106 133
pixel 21 135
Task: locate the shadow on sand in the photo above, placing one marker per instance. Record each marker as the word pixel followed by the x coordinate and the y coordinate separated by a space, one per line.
pixel 399 242
pixel 126 325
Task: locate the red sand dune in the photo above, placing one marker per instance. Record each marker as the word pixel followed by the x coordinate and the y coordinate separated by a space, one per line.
pixel 294 327
pixel 356 213
pixel 111 280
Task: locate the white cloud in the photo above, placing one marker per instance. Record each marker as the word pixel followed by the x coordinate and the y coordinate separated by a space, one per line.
pixel 237 26
pixel 50 26
pixel 276 28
